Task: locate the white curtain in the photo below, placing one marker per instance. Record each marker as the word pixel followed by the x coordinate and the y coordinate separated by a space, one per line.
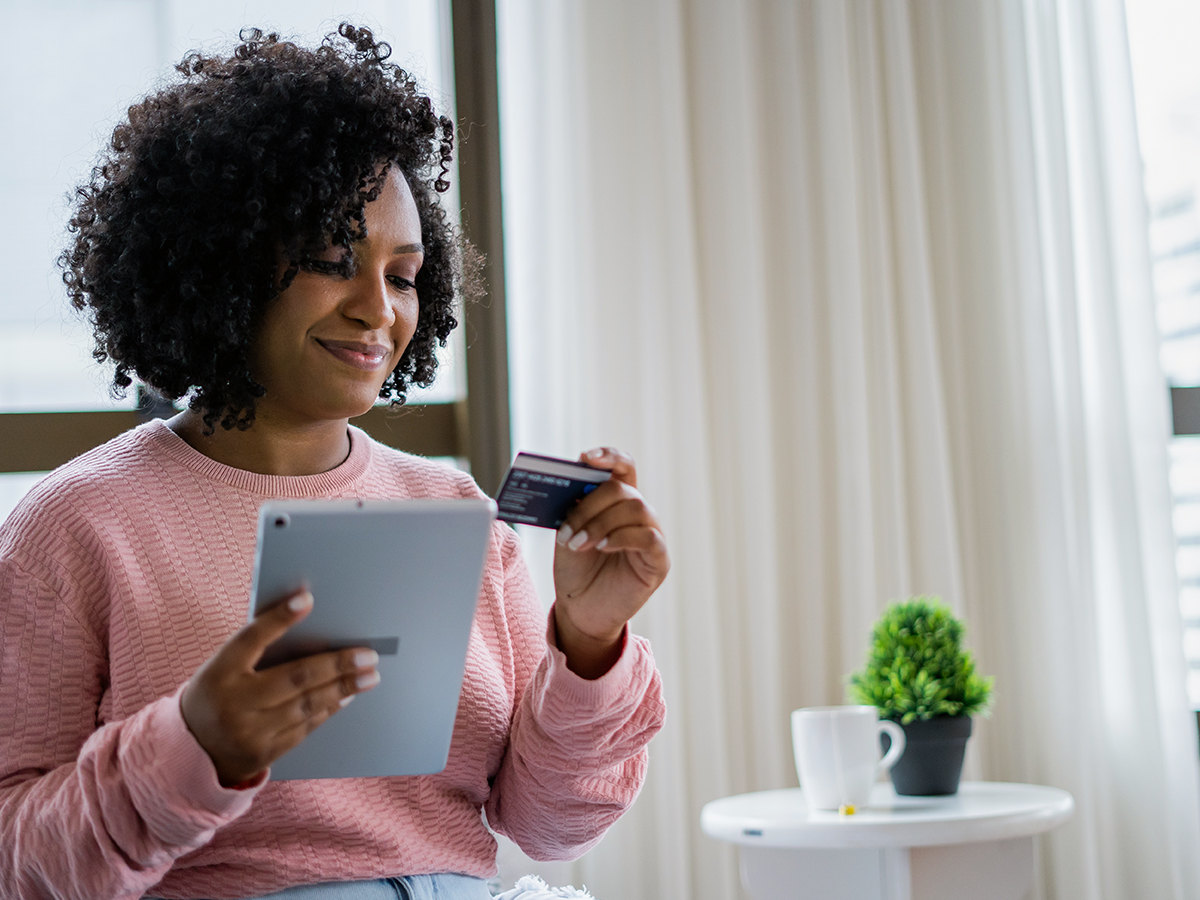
pixel 864 287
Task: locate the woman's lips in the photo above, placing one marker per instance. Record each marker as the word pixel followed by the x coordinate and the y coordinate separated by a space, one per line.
pixel 368 357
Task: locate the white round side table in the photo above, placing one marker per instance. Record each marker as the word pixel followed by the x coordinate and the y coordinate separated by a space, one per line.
pixel 977 843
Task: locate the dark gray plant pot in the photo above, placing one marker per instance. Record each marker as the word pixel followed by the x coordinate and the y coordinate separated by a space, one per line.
pixel 933 756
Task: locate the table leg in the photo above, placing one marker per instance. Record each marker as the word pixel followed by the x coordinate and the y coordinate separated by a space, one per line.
pixel 770 873
pixel 990 870
pixel 896 866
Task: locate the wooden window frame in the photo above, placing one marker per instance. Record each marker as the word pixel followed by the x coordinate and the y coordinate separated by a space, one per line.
pixel 476 428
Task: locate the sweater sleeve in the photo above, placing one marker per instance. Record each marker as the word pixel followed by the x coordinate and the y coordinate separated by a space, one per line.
pixel 89 812
pixel 577 749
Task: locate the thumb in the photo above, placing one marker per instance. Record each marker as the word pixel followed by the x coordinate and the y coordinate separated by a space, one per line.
pixel 246 647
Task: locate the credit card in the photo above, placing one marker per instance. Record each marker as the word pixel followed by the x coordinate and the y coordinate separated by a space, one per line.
pixel 540 490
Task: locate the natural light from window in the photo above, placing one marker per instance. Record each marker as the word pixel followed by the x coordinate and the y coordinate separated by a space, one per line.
pixel 1164 36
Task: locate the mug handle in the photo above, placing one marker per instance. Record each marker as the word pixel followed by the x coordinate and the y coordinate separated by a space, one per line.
pixel 896 733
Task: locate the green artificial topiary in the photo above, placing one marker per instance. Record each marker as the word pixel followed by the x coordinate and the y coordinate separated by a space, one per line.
pixel 917 668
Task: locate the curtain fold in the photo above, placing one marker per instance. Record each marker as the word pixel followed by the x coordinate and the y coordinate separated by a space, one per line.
pixel 864 288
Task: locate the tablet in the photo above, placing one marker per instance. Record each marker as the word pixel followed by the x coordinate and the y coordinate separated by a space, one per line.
pixel 400 576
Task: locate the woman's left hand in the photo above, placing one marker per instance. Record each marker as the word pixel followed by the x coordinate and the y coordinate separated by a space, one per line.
pixel 610 558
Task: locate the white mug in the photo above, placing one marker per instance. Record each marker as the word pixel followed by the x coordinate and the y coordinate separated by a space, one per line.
pixel 837 753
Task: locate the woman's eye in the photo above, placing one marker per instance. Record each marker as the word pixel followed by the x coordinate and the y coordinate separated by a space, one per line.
pixel 402 283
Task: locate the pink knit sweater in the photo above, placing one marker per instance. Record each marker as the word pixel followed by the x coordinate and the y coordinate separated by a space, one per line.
pixel 124 570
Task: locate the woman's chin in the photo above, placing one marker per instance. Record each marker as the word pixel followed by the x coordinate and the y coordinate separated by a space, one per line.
pixel 361 412
pixel 353 410
pixel 316 413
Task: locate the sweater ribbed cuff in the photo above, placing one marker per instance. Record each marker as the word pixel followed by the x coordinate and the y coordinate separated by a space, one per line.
pixel 172 780
pixel 612 689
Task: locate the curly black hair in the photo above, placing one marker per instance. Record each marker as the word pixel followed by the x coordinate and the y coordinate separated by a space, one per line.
pixel 265 156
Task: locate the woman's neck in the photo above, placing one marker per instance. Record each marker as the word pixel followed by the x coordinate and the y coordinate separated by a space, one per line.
pixel 268 447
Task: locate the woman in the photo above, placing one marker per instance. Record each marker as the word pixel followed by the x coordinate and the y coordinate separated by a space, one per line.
pixel 264 239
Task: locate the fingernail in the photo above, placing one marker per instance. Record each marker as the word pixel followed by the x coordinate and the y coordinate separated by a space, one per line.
pixel 364 658
pixel 603 543
pixel 300 601
pixel 578 541
pixel 564 535
pixel 366 680
pixel 346 701
pixel 595 453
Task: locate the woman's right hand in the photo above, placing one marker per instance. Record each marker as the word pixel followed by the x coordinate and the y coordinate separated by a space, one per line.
pixel 246 719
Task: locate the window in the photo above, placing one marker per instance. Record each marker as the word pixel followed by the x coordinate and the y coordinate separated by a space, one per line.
pixel 1166 73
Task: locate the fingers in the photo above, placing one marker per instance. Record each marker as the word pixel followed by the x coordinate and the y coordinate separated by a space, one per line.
pixel 306 693
pixel 246 647
pixel 245 719
pixel 353 670
pixel 611 557
pixel 612 506
pixel 312 707
pixel 598 529
pixel 303 710
pixel 248 721
pixel 621 464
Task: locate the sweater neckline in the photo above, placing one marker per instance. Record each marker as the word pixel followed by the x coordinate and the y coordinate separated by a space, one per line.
pixel 335 481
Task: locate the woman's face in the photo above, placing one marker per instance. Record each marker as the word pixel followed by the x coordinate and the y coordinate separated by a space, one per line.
pixel 327 343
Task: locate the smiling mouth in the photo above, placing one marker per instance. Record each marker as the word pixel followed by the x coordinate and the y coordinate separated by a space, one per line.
pixel 368 357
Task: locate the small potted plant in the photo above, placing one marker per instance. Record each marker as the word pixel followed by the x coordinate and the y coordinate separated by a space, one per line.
pixel 918 675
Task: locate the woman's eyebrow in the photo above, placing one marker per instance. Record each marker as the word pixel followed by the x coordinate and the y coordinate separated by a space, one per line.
pixel 409 248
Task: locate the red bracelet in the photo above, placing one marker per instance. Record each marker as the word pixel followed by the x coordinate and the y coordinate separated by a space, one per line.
pixel 249 782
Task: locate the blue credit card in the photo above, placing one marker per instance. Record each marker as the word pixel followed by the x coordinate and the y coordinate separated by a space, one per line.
pixel 540 490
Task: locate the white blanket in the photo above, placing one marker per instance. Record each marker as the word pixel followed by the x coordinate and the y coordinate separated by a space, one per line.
pixel 530 887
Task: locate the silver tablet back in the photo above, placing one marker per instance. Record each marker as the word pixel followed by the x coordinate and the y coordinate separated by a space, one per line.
pixel 401 576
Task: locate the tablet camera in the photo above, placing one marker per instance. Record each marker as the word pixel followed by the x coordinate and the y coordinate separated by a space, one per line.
pixel 282 521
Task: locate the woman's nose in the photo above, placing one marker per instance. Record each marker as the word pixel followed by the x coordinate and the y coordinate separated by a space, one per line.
pixel 370 301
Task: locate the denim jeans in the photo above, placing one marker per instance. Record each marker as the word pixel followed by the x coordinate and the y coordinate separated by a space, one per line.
pixel 409 887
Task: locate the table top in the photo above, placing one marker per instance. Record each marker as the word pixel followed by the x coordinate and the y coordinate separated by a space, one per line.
pixel 980 811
